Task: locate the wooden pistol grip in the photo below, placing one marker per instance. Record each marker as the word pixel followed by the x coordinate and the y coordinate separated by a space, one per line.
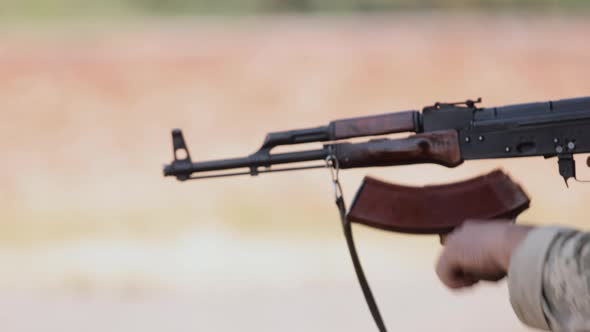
pixel 437 209
pixel 440 147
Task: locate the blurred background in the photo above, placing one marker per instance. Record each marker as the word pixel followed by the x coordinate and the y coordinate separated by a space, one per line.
pixel 93 238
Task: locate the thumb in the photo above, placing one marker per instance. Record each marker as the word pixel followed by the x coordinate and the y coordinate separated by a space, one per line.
pixel 443 238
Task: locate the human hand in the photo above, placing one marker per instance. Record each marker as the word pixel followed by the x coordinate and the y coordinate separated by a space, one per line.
pixel 478 251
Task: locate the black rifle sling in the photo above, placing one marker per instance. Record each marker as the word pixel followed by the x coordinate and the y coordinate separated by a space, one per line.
pixel 347 228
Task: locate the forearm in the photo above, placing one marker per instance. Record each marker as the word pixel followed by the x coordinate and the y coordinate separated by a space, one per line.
pixel 514 235
pixel 548 270
pixel 549 280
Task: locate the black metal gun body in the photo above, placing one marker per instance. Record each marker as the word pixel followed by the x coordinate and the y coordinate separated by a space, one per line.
pixel 549 129
pixel 447 134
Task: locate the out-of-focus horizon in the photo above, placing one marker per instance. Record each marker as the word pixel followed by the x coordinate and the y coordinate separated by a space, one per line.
pixel 93 238
pixel 73 8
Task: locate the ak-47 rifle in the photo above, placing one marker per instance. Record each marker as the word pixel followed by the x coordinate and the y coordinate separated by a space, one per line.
pixel 446 134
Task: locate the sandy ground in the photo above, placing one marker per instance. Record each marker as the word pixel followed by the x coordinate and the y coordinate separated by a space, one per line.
pixel 93 238
pixel 256 308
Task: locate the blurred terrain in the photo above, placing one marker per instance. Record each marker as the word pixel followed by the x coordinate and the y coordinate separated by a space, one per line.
pixel 93 238
pixel 138 8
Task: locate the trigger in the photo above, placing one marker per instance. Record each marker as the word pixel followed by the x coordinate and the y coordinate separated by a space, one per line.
pixel 567 167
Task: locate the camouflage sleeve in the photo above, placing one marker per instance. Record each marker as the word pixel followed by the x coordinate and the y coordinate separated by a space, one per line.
pixel 549 280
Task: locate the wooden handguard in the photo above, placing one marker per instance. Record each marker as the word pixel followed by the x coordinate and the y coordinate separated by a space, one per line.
pixel 375 125
pixel 440 147
pixel 437 209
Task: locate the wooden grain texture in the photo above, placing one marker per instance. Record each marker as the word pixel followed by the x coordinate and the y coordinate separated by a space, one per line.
pixel 374 125
pixel 437 209
pixel 437 147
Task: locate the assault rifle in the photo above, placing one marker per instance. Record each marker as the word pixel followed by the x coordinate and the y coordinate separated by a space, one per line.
pixel 446 134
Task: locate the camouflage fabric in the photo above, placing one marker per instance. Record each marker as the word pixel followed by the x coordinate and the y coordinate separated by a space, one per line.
pixel 549 280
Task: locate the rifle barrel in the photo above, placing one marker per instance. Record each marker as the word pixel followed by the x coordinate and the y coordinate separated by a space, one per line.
pixel 185 168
